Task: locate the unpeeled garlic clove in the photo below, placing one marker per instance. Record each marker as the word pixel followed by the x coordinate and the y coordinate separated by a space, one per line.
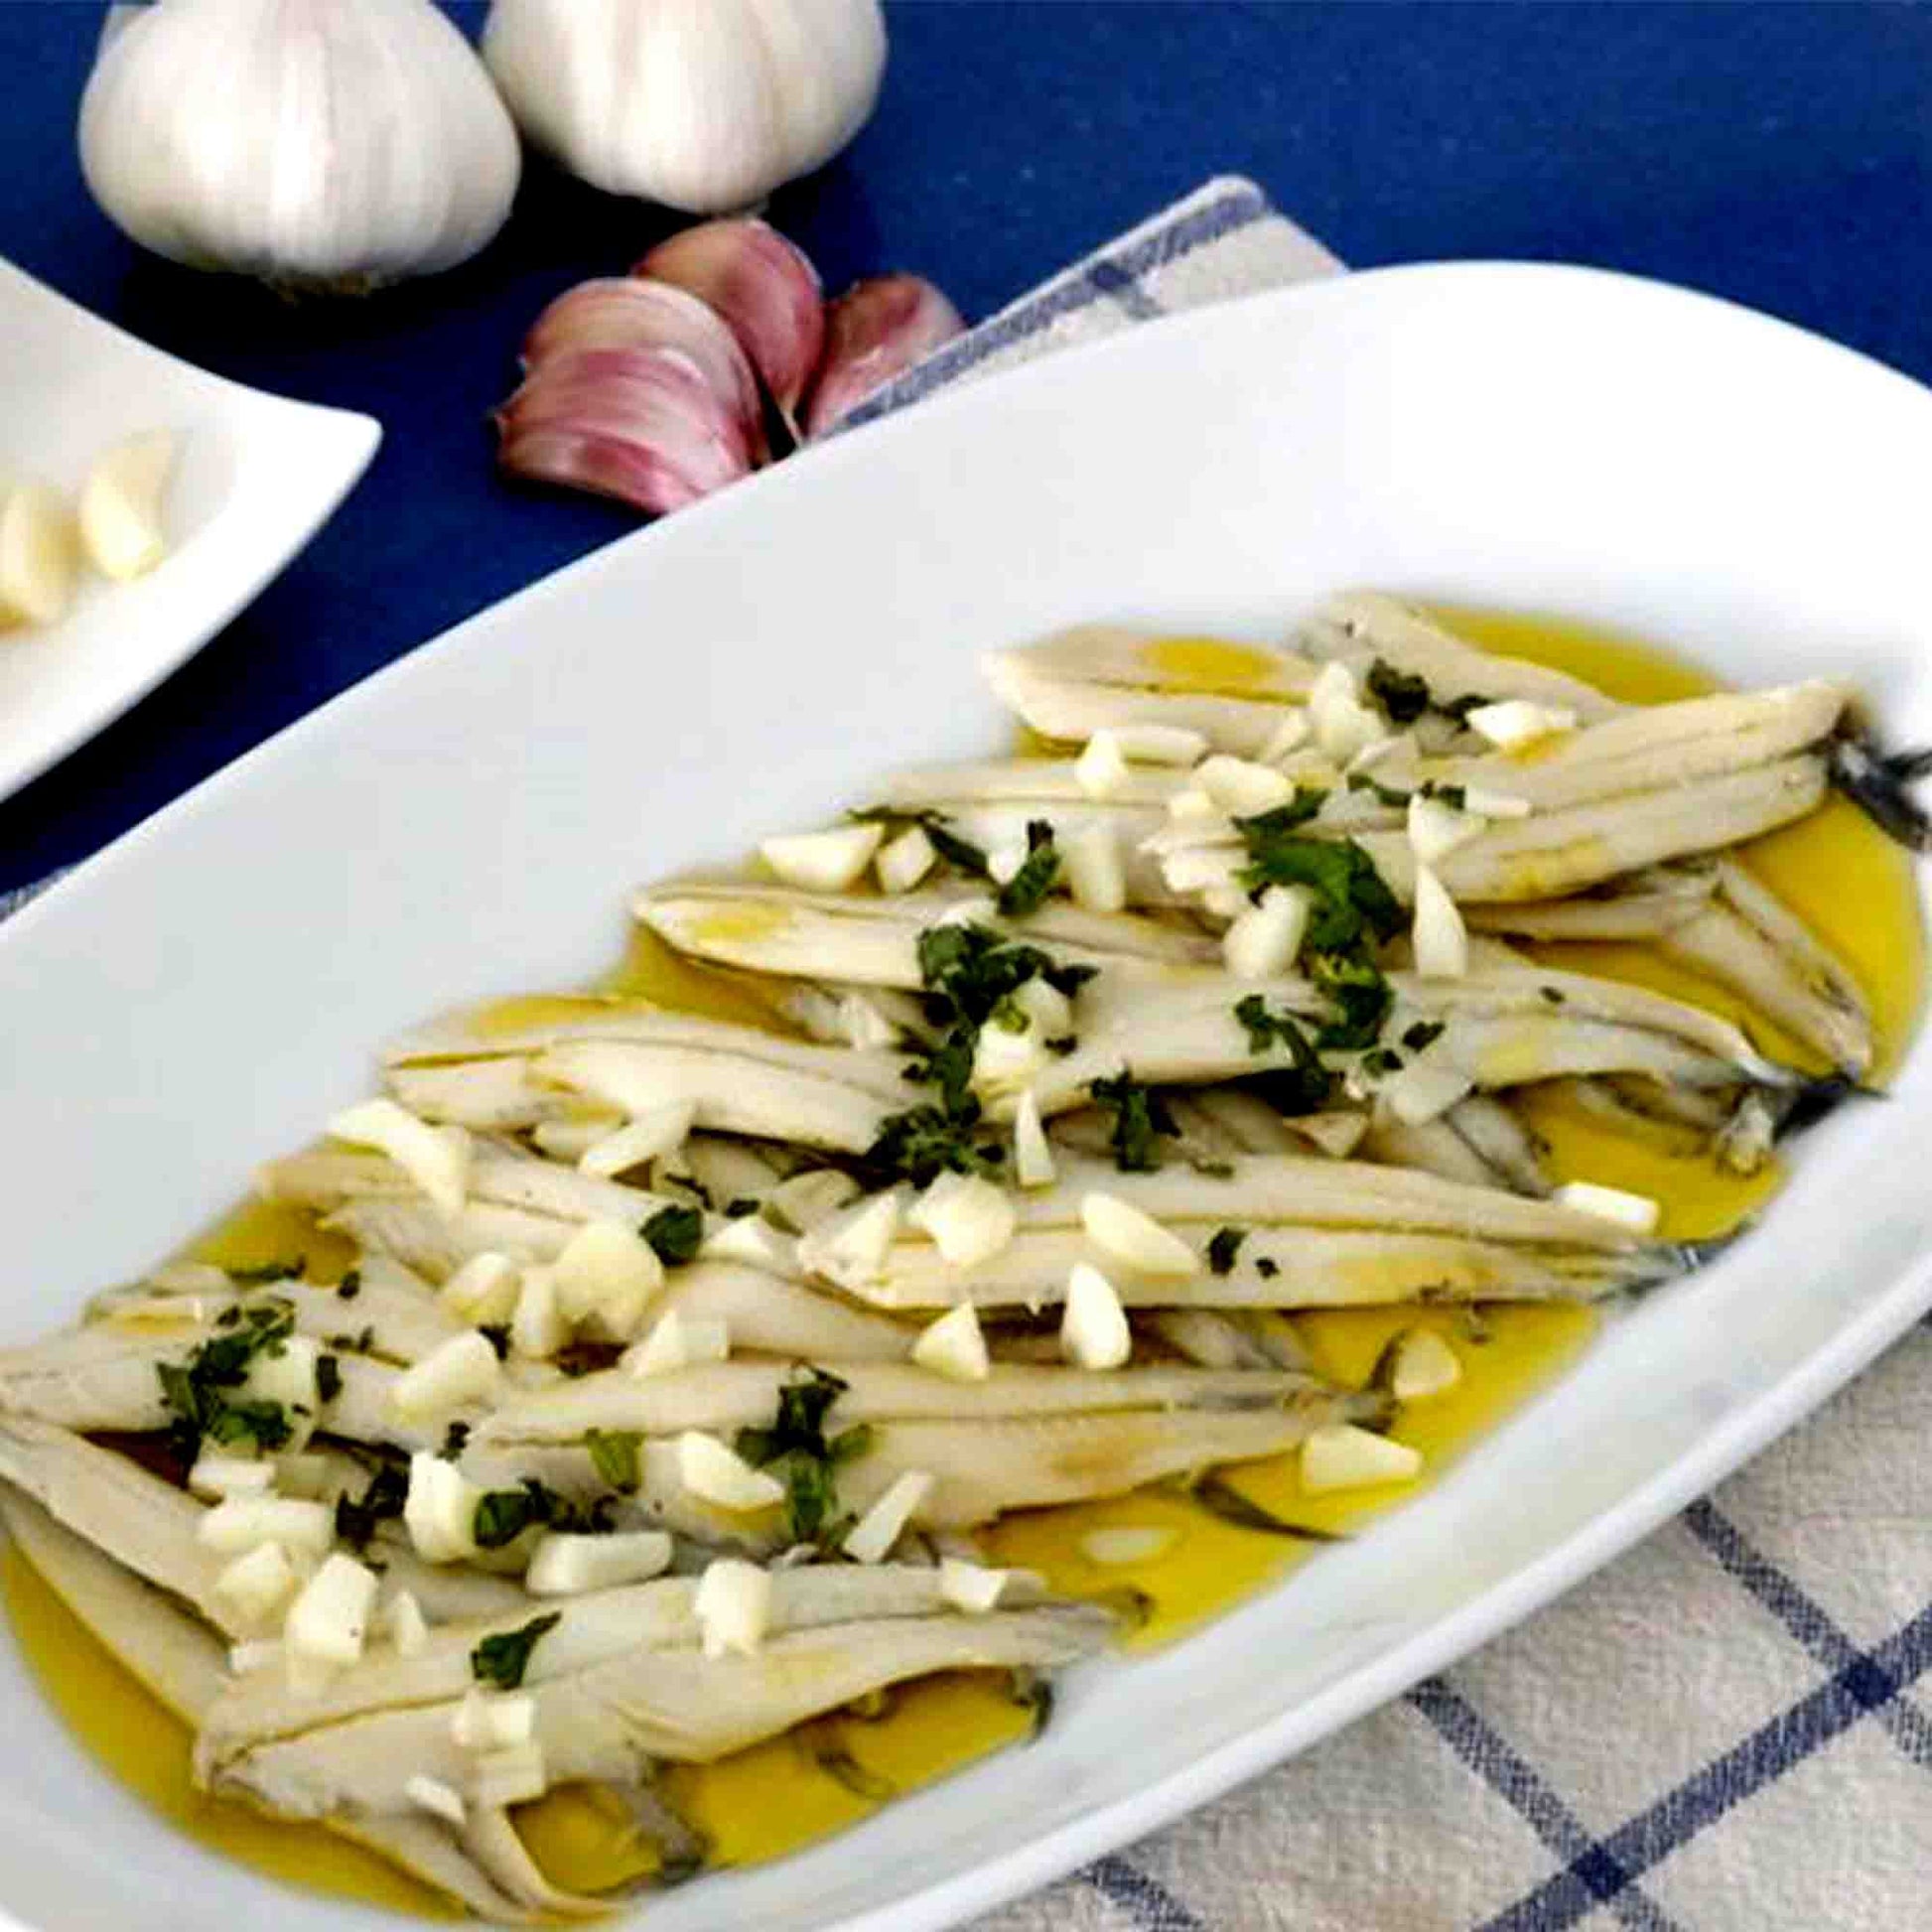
pixel 642 425
pixel 764 286
pixel 631 311
pixel 874 331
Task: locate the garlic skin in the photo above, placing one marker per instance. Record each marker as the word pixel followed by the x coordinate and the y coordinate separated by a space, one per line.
pixel 764 286
pixel 703 105
pixel 331 143
pixel 876 330
pixel 642 425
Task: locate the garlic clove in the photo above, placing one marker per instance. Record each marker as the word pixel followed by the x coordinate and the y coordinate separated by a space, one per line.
pixel 764 286
pixel 337 147
pixel 642 425
pixel 37 556
pixel 631 311
pixel 875 332
pixel 120 506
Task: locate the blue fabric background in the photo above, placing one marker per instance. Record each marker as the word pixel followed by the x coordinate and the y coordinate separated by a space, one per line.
pixel 1777 154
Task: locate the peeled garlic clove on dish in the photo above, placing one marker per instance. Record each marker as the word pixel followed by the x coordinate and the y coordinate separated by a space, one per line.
pixel 120 506
pixel 764 288
pixel 627 312
pixel 874 331
pixel 314 143
pixel 704 105
pixel 642 425
pixel 37 555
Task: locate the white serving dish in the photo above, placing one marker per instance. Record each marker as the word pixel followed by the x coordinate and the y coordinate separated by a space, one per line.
pixel 257 477
pixel 468 822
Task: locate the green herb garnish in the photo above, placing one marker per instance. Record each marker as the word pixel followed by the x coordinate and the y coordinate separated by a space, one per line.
pixel 264 1273
pixel 797 1447
pixel 196 1393
pixel 1141 1118
pixel 615 1456
pixel 674 1234
pixel 456 1439
pixel 351 1285
pixel 504 1660
pixel 1223 1248
pixel 380 1502
pixel 961 853
pixel 1306 1085
pixel 1403 697
pixel 1024 891
pixel 1423 1033
pixel 328 1377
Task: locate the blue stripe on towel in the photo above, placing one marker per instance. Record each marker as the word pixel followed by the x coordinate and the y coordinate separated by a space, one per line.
pixel 1148 1903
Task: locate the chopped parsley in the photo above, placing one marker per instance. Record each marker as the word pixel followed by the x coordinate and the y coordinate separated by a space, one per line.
pixel 1385 795
pixel 689 1184
pixel 504 1660
pixel 497 1334
pixel 797 1449
pixel 960 854
pixel 922 1142
pixel 380 1502
pixel 502 1515
pixel 1267 1268
pixel 1453 797
pixel 615 1456
pixel 1141 1119
pixel 351 1285
pixel 265 1273
pixel 741 1206
pixel 1223 1248
pixel 1423 1033
pixel 361 1344
pixel 1028 886
pixel 1379 1060
pixel 674 1234
pixel 1352 903
pixel 1554 993
pixel 1300 1088
pixel 328 1377
pixel 456 1439
pixel 1361 995
pixel 1403 696
pixel 1459 708
pixel 197 1393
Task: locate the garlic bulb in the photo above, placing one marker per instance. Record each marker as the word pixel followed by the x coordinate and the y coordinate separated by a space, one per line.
pixel 704 105
pixel 329 143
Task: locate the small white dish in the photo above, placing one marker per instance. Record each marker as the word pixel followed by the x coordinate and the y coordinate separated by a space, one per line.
pixel 257 476
pixel 470 821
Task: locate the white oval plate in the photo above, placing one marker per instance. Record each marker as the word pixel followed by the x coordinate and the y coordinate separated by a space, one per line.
pixel 468 822
pixel 257 477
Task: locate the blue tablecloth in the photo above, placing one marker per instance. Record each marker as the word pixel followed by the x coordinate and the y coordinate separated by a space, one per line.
pixel 1777 154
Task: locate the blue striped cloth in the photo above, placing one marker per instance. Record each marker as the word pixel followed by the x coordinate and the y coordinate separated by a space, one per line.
pixel 1721 1733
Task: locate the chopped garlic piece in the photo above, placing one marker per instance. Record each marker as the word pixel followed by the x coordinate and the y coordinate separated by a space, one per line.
pixel 452 1375
pixel 1442 941
pixel 1190 805
pixel 1342 1456
pixel 752 1240
pixel 259 1655
pixel 607 1274
pixel 1263 940
pixel 955 1346
pixel 1637 1213
pixel 1096 875
pixel 120 505
pixel 514 1776
pixel 1241 787
pixel 1204 869
pixel 806 1200
pixel 1343 725
pixel 256 1585
pixel 1422 1365
pixel 1337 1134
pixel 328 1621
pixel 436 1159
pixel 537 1328
pixel 852 1247
pixel 216 1476
pixel 971 1587
pixel 675 1343
pixel 486 1721
pixel 289 1379
pixel 661 1130
pixel 1135 1239
pixel 1093 1326
pixel 875 1533
pixel 1033 1156
pixel 901 864
pixel 483 1290
pixel 1424 1090
pixel 405 1624
pixel 438 1799
pixel 37 556
pixel 1517 723
pixel 1005 1057
pixel 569 1565
pixel 969 1220
pixel 1159 744
pixel 571 1140
pixel 1287 737
pixel 823 862
pixel 1493 804
pixel 439 1510
pixel 1127 1543
pixel 732 1606
pixel 1436 829
pixel 1101 768
pixel 244 1523
pixel 715 1472
pixel 860 1023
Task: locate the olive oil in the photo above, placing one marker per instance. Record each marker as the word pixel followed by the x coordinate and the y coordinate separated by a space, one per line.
pixel 1851 887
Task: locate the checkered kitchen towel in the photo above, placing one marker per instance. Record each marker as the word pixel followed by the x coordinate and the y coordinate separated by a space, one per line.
pixel 1718 1733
